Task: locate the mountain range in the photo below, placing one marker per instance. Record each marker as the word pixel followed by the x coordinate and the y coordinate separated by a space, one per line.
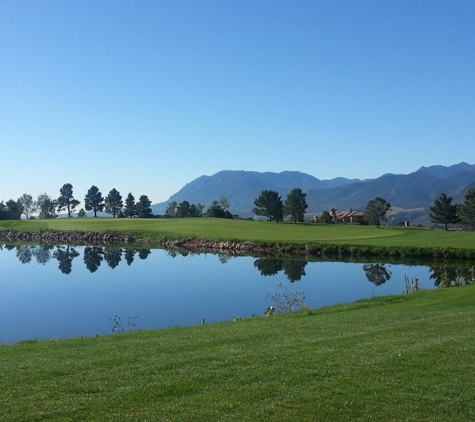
pixel 409 194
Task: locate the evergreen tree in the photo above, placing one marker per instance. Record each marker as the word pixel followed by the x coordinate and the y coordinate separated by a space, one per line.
pixel 467 210
pixel 93 201
pixel 130 207
pixel 143 207
pixel 66 199
pixel 113 202
pixel 443 211
pixel 296 205
pixel 269 204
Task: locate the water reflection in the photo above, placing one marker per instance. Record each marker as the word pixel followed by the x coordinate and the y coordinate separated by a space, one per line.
pixel 186 290
pixel 377 274
pixel 65 256
pixel 444 274
pixel 447 276
pixel 293 269
pixel 93 256
pixel 25 253
pixel 112 256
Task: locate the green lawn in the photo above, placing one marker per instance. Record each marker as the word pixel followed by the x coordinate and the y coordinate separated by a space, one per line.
pixel 265 232
pixel 398 358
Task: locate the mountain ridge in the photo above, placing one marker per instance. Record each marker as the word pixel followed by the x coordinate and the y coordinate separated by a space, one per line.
pixel 416 190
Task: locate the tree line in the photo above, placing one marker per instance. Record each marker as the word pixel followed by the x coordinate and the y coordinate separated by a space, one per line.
pixel 48 207
pixel 268 204
pixel 217 209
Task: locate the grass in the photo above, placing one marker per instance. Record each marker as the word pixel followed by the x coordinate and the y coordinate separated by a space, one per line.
pixel 397 358
pixel 262 232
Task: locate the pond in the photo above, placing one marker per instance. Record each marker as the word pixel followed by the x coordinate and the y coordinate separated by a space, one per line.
pixel 65 291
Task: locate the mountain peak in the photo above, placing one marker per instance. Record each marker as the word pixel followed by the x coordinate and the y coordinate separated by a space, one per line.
pixel 443 172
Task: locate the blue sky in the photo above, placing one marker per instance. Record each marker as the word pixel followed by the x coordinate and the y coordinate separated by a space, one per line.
pixel 144 96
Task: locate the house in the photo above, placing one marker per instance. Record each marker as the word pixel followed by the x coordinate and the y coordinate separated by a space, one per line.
pixel 347 217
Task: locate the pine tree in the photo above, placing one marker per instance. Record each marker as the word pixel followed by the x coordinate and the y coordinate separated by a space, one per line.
pixel 467 210
pixel 114 202
pixel 66 199
pixel 143 207
pixel 296 205
pixel 130 207
pixel 443 211
pixel 269 204
pixel 93 201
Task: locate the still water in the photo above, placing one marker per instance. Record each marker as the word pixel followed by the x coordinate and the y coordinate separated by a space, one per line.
pixel 63 291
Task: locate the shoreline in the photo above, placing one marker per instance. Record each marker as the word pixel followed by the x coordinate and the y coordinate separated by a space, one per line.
pixel 193 244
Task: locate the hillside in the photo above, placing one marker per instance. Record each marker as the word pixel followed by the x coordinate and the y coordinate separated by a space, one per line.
pixel 410 194
pixel 242 187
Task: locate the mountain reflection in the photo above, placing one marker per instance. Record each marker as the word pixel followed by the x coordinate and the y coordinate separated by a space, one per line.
pixel 293 269
pixel 377 274
pixel 93 256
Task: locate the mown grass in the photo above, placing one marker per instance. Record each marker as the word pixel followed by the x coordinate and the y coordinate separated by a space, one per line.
pixel 398 358
pixel 262 232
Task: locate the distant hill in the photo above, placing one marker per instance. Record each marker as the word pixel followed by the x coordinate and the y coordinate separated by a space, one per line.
pixel 410 194
pixel 416 190
pixel 242 187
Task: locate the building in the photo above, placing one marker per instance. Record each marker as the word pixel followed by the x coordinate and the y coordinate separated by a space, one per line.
pixel 347 217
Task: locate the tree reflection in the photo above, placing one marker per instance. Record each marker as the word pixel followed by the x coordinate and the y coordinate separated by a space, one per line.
pixel 65 256
pixel 129 256
pixel 43 254
pixel 224 259
pixel 447 276
pixel 378 274
pixel 93 256
pixel 293 269
pixel 24 253
pixel 268 266
pixel 144 253
pixel 112 256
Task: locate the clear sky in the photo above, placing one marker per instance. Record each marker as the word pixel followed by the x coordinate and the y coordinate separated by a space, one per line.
pixel 146 95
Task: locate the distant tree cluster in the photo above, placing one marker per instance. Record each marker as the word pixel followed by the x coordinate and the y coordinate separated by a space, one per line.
pixel 48 207
pixel 269 204
pixel 217 209
pixel 183 209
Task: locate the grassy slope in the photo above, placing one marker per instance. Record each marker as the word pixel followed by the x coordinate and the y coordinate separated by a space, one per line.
pixel 218 229
pixel 396 358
